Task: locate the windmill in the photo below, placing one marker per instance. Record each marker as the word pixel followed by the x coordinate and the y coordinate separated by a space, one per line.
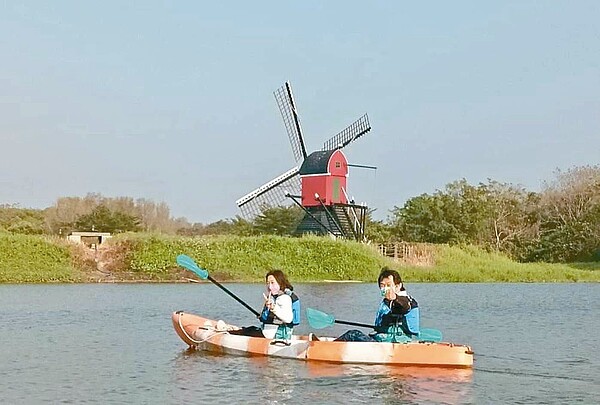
pixel 318 181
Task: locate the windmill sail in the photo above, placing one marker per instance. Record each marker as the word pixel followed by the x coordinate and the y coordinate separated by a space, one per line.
pixel 271 194
pixel 285 102
pixel 354 131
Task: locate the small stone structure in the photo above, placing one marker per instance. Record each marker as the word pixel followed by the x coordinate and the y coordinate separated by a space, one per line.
pixel 90 239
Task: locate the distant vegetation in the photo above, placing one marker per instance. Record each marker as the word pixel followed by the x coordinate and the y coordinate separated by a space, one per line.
pixel 559 224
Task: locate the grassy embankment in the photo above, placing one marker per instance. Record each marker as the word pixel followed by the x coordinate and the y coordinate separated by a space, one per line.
pixel 152 258
pixel 36 259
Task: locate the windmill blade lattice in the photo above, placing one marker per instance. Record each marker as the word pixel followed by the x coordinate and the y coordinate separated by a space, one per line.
pixel 354 131
pixel 285 102
pixel 271 194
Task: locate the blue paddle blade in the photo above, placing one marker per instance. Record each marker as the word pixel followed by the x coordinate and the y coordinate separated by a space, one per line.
pixel 429 335
pixel 188 263
pixel 318 319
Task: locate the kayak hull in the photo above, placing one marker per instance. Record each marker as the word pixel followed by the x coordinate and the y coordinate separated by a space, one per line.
pixel 200 333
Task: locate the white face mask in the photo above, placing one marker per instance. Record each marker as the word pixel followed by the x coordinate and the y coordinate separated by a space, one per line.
pixel 273 285
pixel 396 288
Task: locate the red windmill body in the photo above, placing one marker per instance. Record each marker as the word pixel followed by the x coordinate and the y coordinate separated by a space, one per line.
pixel 323 176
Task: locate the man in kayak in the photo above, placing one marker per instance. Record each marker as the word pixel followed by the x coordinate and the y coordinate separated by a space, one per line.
pixel 280 313
pixel 397 318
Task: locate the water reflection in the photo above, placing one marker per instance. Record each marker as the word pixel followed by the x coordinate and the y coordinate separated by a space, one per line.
pixel 292 381
pixel 422 384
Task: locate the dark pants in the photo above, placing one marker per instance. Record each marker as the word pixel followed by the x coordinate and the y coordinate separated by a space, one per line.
pixel 253 331
pixel 355 335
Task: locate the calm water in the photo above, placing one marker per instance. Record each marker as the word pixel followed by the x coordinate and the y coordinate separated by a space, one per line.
pixel 534 343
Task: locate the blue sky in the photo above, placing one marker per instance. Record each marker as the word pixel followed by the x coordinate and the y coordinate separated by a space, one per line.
pixel 172 101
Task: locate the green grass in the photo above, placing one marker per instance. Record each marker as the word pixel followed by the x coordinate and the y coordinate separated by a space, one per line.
pixel 470 264
pixel 35 259
pixel 146 257
pixel 248 258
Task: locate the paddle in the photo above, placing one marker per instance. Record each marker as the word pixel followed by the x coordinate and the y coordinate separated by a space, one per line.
pixel 320 320
pixel 189 264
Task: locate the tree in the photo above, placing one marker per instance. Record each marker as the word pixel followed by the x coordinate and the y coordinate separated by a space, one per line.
pixel 101 219
pixel 570 216
pixel 281 220
pixel 423 219
pixel 151 216
pixel 236 226
pixel 377 231
pixel 455 215
pixel 22 220
pixel 62 216
pixel 495 215
pixel 514 218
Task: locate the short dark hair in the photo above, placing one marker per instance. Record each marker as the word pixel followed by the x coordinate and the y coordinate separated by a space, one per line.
pixel 281 279
pixel 386 272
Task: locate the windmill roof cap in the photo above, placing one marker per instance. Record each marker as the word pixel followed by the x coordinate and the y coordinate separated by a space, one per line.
pixel 316 162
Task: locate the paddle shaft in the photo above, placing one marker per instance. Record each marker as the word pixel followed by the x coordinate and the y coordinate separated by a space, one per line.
pixel 425 333
pixel 319 320
pixel 232 295
pixel 187 262
pixel 364 325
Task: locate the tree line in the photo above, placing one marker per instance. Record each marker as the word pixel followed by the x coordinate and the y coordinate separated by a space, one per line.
pixel 92 212
pixel 560 223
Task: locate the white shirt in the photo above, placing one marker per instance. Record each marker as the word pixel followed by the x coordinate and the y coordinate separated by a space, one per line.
pixel 283 314
pixel 283 309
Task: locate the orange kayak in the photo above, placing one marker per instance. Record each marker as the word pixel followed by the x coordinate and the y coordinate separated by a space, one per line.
pixel 207 334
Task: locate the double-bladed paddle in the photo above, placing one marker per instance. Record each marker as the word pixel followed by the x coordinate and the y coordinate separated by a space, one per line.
pixel 320 320
pixel 188 263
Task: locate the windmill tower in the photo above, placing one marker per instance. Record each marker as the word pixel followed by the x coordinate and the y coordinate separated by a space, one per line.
pixel 318 181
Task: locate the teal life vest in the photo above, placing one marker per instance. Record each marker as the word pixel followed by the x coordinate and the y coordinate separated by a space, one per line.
pixel 268 317
pixel 295 307
pixel 405 325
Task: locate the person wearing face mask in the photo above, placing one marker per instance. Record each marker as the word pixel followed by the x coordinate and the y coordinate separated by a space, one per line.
pixel 280 313
pixel 398 314
pixel 397 318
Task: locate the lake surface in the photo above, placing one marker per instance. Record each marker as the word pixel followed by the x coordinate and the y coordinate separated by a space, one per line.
pixel 114 343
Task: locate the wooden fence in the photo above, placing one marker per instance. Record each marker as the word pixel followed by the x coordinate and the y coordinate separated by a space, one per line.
pixel 415 254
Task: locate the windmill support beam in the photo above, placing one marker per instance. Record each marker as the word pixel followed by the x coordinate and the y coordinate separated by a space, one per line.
pixel 311 215
pixel 331 216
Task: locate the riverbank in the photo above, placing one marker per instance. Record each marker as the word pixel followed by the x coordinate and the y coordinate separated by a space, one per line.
pixel 151 258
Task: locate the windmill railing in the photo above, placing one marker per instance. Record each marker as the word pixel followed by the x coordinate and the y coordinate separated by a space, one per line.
pixel 357 226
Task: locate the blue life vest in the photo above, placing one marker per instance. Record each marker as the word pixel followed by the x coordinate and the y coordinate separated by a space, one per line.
pixel 268 317
pixel 409 322
pixel 295 307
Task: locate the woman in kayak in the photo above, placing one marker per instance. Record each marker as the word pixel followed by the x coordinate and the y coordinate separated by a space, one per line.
pixel 397 318
pixel 281 311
